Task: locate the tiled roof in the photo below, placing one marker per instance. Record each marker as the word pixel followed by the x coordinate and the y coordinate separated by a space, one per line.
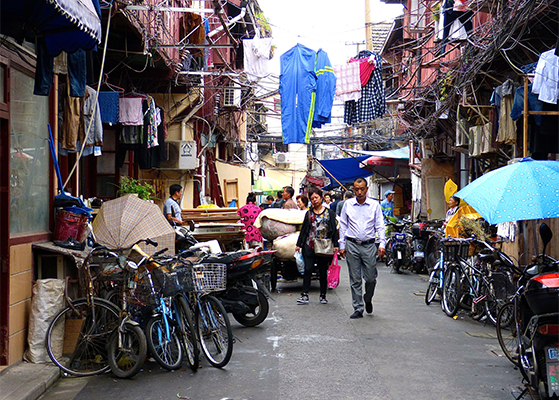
pixel 380 31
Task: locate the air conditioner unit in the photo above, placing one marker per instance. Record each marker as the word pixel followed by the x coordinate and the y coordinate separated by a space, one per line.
pixel 181 155
pixel 284 158
pixel 232 95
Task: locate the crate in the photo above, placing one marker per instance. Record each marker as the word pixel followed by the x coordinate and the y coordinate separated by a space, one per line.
pixel 209 277
pixel 454 250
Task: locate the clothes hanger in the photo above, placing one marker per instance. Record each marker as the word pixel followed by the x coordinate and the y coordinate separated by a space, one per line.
pixel 114 88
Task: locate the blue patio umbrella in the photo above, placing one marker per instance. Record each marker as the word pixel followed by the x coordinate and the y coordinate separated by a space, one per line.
pixel 525 190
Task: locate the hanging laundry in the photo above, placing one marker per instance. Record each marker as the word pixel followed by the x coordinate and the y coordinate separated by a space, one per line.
pixel 507 127
pixel 348 84
pixel 507 230
pixel 325 89
pixel 77 71
pixel 455 10
pixel 366 68
pixel 256 56
pixel 108 106
pixel 92 115
pixel 546 80
pixel 372 103
pixel 72 129
pixel 297 91
pixel 131 111
pixel 151 125
pixel 534 104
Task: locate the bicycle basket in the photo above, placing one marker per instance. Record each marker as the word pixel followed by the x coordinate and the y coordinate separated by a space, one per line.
pixel 503 287
pixel 166 283
pixel 210 277
pixel 453 250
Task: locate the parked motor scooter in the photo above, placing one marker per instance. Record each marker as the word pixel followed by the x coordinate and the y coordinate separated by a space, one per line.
pixel 248 278
pixel 539 321
pixel 420 235
pixel 398 247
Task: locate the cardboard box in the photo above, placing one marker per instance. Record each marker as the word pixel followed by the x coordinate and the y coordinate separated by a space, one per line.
pixel 400 210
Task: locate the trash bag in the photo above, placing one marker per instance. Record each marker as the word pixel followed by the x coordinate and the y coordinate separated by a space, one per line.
pixel 300 262
pixel 285 246
pixel 47 301
pixel 272 229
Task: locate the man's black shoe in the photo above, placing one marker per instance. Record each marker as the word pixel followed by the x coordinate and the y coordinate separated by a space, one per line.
pixel 369 307
pixel 356 314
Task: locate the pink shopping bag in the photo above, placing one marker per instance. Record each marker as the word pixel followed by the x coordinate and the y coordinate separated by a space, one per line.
pixel 334 273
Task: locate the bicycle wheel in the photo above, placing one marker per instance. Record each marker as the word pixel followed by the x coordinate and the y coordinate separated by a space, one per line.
pixel 77 337
pixel 492 305
pixel 127 350
pixel 188 332
pixel 258 312
pixel 451 292
pixel 507 333
pixel 433 287
pixel 214 331
pixel 165 348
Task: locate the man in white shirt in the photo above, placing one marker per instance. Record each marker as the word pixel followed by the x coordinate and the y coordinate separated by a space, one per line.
pixel 361 225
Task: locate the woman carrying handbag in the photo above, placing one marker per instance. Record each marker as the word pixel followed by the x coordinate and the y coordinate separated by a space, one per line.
pixel 318 240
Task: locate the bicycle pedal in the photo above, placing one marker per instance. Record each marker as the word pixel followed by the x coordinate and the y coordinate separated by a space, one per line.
pixel 481 298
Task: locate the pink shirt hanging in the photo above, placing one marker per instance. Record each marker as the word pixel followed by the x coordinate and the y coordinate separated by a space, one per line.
pixel 366 68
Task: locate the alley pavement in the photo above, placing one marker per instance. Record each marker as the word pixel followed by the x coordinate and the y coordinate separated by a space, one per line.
pixel 404 350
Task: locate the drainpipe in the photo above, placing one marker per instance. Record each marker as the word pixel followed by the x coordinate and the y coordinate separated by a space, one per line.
pixel 228 23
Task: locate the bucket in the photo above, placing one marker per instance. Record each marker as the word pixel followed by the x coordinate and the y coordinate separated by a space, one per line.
pixel 70 224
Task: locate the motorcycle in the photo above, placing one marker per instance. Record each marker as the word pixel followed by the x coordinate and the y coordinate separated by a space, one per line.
pixel 398 249
pixel 420 235
pixel 539 321
pixel 248 278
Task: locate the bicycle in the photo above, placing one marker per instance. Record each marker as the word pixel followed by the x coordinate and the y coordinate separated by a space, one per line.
pixel 77 337
pixel 163 328
pixel 212 324
pixel 473 282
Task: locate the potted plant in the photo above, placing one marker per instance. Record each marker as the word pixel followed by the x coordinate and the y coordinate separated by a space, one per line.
pixel 130 185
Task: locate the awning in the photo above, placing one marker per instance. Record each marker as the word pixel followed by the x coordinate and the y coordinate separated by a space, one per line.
pixel 403 153
pixel 66 25
pixel 384 163
pixel 312 180
pixel 344 170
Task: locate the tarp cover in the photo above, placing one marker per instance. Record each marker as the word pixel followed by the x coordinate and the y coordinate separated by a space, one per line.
pixel 66 25
pixel 345 170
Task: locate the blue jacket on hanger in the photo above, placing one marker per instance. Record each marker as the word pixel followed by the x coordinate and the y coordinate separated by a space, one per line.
pixel 325 89
pixel 297 90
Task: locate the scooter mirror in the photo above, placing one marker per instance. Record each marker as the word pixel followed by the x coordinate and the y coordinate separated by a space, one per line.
pixel 546 234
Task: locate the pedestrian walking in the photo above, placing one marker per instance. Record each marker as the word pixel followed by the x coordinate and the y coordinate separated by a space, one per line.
pixel 387 204
pixel 248 214
pixel 288 193
pixel 319 223
pixel 361 225
pixel 302 202
pixel 278 203
pixel 347 195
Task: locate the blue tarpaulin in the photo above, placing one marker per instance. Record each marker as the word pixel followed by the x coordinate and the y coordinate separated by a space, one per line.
pixel 345 170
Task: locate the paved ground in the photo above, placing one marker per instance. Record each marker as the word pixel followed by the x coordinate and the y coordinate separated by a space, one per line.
pixel 405 350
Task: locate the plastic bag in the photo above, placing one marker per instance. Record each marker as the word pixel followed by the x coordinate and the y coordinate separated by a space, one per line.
pixel 300 262
pixel 333 278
